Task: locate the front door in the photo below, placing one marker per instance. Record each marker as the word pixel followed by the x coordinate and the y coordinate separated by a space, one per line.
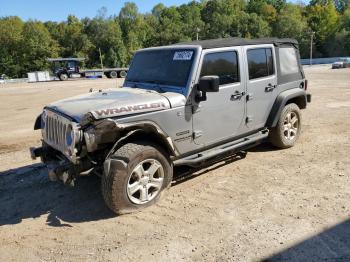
pixel 221 116
pixel 262 87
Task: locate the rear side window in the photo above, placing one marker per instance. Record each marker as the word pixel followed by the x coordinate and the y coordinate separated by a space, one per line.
pixel 222 64
pixel 288 61
pixel 260 62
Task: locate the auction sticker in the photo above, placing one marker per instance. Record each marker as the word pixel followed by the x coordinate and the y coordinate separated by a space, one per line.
pixel 183 55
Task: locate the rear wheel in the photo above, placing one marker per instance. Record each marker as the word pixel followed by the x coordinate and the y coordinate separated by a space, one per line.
pixel 148 172
pixel 288 128
pixel 122 74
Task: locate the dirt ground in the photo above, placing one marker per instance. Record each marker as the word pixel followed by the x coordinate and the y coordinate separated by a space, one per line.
pixel 278 205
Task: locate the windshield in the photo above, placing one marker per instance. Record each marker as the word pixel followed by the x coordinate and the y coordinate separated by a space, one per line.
pixel 164 67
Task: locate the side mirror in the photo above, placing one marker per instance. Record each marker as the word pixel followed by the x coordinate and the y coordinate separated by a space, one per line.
pixel 209 84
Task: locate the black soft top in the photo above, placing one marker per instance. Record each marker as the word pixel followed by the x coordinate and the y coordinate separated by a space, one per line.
pixel 237 41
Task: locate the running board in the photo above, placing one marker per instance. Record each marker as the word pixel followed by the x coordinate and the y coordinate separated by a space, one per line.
pixel 228 148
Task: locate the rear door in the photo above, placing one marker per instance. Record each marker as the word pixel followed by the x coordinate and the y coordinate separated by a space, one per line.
pixel 222 114
pixel 261 84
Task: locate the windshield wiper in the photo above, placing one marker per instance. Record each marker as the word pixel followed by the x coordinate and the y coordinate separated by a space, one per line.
pixel 134 81
pixel 157 83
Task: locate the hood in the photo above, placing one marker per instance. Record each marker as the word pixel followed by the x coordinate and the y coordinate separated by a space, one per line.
pixel 117 102
pixel 338 63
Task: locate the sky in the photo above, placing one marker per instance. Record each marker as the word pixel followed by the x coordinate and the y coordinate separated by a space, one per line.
pixel 45 10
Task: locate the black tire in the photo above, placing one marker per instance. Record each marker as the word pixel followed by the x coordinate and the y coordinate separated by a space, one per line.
pixel 63 77
pixel 113 74
pixel 122 74
pixel 115 183
pixel 279 134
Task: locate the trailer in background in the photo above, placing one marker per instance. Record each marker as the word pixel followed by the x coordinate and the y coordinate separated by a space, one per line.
pixel 65 68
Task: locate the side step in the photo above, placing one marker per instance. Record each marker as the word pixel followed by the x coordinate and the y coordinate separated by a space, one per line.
pixel 228 148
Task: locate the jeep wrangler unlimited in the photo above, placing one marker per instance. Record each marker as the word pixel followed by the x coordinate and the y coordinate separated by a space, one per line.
pixel 184 104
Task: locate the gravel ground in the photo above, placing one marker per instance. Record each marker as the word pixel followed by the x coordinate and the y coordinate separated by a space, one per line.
pixel 278 205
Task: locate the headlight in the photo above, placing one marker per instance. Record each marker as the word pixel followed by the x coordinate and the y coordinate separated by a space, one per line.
pixel 69 135
pixel 43 119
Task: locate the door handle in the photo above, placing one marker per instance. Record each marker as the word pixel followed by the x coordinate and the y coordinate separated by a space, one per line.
pixel 237 95
pixel 270 88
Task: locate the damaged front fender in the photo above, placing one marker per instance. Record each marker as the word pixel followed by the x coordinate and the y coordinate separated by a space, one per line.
pixel 109 131
pixel 101 133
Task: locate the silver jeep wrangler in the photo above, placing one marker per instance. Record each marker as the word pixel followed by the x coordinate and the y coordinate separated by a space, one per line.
pixel 186 104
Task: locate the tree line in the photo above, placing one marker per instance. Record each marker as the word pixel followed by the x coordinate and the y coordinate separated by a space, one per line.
pixel 25 45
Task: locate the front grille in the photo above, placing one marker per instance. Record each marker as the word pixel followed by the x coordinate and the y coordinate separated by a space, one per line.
pixel 54 131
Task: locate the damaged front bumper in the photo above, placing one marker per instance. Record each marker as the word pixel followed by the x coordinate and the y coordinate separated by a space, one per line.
pixel 59 167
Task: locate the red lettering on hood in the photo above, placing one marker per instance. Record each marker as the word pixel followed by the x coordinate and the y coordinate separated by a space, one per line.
pixel 115 111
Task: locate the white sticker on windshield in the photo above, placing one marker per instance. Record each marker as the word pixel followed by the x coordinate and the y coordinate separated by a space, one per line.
pixel 183 55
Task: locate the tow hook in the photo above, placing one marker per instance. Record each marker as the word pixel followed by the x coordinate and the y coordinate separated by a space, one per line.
pixel 35 152
pixel 64 172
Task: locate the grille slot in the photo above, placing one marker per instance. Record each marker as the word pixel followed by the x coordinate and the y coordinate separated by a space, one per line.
pixel 54 132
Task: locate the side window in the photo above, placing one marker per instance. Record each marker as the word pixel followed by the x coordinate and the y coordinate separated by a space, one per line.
pixel 222 64
pixel 260 62
pixel 288 61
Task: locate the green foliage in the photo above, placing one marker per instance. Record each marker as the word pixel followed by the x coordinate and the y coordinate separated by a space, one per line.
pixel 324 21
pixel 136 32
pixel 252 26
pixel 221 18
pixel 105 35
pixel 346 19
pixel 25 46
pixel 277 4
pixel 191 20
pixel 170 27
pixel 292 24
pixel 340 5
pixel 11 29
pixel 73 40
pixel 37 45
pixel 340 44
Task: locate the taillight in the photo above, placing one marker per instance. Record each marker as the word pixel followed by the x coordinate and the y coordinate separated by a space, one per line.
pixel 305 85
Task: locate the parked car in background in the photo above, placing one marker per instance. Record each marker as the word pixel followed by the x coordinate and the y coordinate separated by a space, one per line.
pixel 342 63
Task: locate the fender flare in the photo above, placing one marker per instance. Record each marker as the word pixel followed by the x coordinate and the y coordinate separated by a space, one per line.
pixel 37 124
pixel 145 127
pixel 282 99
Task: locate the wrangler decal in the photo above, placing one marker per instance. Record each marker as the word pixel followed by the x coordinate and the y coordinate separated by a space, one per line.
pixel 125 109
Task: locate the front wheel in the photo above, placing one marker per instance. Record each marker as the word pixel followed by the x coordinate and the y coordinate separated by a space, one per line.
pixel 288 128
pixel 147 173
pixel 63 77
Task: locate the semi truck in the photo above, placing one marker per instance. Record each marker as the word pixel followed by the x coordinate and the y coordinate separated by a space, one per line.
pixel 65 68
